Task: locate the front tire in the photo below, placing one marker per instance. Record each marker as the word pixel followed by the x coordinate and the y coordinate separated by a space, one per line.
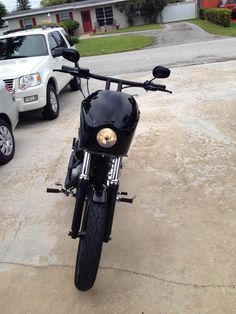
pixel 7 143
pixel 51 110
pixel 90 246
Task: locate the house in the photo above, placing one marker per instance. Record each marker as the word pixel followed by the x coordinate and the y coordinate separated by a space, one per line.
pixel 96 14
pixel 209 4
pixel 91 14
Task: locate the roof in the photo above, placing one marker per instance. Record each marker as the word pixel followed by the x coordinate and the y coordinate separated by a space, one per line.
pixel 61 7
pixel 32 31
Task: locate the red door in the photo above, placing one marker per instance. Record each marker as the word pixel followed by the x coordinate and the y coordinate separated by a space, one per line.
pixel 86 19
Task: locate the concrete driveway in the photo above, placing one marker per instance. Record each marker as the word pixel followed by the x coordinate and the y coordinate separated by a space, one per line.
pixel 176 44
pixel 173 250
pixel 179 33
pixel 172 34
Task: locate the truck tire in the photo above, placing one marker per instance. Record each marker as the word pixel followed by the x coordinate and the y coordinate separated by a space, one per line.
pixel 51 110
pixel 7 143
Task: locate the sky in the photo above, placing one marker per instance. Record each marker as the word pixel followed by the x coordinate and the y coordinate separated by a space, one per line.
pixel 11 4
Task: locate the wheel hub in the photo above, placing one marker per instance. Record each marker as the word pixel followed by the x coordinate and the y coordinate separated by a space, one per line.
pixel 6 141
pixel 53 101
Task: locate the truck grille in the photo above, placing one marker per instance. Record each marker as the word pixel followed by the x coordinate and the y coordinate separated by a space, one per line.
pixel 10 84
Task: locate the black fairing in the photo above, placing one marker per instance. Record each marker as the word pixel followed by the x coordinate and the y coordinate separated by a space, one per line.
pixel 108 109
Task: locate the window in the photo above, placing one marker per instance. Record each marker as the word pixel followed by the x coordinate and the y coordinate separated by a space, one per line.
pixel 59 39
pixel 104 16
pixel 22 47
pixel 64 16
pixel 56 40
pixel 27 23
pixel 52 42
pixel 68 38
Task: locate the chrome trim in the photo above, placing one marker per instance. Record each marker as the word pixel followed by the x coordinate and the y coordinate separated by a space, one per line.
pixel 85 167
pixel 10 84
pixel 113 177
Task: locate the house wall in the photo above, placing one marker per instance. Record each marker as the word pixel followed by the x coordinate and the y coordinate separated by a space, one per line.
pixel 3 29
pixel 208 4
pixel 40 19
pixel 120 18
pixel 172 12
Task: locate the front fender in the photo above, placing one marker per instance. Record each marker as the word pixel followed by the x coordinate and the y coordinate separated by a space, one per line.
pixel 100 196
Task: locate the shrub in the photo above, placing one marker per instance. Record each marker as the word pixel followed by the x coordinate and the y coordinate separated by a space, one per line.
pixel 70 26
pixel 74 39
pixel 219 16
pixel 202 13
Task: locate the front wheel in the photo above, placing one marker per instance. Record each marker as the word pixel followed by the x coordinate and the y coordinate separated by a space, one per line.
pixel 90 246
pixel 7 143
pixel 51 110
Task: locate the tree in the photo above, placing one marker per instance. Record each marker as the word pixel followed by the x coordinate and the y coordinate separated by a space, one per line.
pixel 23 5
pixel 149 9
pixel 47 3
pixel 130 8
pixel 3 12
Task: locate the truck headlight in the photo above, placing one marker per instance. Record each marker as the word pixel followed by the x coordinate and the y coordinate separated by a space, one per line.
pixel 30 80
pixel 106 138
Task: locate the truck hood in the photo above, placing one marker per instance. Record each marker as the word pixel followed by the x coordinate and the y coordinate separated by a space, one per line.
pixel 14 68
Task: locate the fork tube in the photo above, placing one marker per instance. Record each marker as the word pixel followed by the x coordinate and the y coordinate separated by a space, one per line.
pixel 114 178
pixel 85 167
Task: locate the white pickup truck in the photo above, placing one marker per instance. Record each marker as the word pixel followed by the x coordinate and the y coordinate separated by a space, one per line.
pixel 27 64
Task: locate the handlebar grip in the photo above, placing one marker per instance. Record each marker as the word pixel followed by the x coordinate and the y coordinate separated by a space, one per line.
pixel 154 87
pixel 161 87
pixel 69 69
pixel 50 190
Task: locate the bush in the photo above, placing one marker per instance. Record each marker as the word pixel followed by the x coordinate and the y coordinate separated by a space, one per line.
pixel 202 13
pixel 74 39
pixel 219 16
pixel 51 25
pixel 70 26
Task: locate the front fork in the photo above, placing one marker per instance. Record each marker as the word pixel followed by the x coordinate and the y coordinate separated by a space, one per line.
pixel 108 195
pixel 82 189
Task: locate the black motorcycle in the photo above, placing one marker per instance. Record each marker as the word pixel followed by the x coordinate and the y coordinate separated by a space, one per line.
pixel 108 120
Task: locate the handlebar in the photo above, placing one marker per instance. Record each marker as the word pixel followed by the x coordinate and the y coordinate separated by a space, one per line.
pixel 85 73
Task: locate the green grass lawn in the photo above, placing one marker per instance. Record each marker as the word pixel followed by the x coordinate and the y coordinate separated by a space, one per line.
pixel 112 44
pixel 214 28
pixel 131 29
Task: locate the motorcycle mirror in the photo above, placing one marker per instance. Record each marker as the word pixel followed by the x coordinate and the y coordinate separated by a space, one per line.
pixel 160 72
pixel 57 52
pixel 67 53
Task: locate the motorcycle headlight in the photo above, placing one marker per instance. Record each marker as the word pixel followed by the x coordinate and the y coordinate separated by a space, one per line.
pixel 30 80
pixel 106 138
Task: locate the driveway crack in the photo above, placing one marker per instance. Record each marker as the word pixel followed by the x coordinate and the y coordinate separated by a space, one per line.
pixel 152 276
pixel 168 281
pixel 10 245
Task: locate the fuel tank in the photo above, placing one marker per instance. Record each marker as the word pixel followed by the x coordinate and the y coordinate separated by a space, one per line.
pixel 108 109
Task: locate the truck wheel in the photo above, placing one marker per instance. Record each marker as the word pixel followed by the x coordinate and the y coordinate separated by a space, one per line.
pixel 51 110
pixel 7 143
pixel 75 83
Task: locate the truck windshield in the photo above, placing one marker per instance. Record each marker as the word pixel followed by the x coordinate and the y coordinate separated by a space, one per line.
pixel 22 47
